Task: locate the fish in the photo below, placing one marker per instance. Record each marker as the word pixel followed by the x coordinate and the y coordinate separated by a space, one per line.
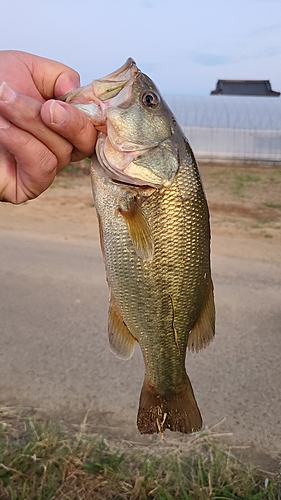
pixel 155 239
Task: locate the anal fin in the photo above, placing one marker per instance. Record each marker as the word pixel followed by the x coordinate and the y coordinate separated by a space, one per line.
pixel 204 330
pixel 121 340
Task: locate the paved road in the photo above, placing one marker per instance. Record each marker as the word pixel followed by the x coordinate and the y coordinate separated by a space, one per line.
pixel 54 352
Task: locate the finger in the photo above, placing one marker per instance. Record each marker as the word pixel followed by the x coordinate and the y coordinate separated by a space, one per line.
pixel 24 112
pixel 27 167
pixel 72 125
pixel 52 78
pixel 7 171
pixel 36 76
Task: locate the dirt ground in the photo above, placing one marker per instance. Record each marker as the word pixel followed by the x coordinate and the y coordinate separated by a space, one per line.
pixel 244 202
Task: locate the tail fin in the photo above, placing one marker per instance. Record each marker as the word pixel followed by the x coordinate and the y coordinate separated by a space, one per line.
pixel 173 411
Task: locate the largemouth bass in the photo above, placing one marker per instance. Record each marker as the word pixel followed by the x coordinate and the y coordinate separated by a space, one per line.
pixel 155 238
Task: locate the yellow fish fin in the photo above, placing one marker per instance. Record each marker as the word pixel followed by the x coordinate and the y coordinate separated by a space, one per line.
pixel 204 330
pixel 176 411
pixel 121 340
pixel 138 228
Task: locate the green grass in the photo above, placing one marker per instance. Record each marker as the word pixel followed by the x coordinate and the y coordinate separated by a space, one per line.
pixel 72 168
pixel 236 180
pixel 242 180
pixel 78 167
pixel 273 205
pixel 43 461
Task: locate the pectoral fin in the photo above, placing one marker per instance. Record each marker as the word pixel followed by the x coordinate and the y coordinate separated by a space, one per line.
pixel 138 228
pixel 204 330
pixel 121 340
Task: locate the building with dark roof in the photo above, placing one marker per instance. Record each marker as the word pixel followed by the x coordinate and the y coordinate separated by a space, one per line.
pixel 245 87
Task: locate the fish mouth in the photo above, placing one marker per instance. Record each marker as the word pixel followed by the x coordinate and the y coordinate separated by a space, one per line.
pixel 109 86
pixel 93 99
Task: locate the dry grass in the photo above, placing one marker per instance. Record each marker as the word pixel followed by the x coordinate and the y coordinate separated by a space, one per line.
pixel 244 197
pixel 40 460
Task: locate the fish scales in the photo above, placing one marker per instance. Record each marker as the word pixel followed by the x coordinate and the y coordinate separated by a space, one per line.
pixel 148 294
pixel 155 237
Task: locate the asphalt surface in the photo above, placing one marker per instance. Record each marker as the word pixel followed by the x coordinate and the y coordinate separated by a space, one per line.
pixel 54 352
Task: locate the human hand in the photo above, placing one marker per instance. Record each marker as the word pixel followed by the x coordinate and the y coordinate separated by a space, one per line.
pixel 38 136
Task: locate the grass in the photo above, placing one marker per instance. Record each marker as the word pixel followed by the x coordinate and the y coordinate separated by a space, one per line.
pixel 39 460
pixel 245 196
pixel 242 180
pixel 273 205
pixel 77 168
pixel 236 180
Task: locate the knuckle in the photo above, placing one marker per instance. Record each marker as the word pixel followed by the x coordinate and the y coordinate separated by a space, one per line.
pixel 48 162
pixel 64 155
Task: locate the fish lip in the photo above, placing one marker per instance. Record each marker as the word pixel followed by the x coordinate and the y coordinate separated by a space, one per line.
pixel 101 90
pixel 127 71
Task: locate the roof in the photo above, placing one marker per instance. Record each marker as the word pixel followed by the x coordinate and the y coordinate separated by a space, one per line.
pixel 245 87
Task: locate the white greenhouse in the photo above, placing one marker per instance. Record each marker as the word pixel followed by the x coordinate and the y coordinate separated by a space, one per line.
pixel 231 128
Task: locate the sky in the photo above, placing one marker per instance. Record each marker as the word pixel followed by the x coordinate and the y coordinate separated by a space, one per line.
pixel 184 46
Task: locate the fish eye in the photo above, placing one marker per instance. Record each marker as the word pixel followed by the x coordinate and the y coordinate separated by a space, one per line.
pixel 150 99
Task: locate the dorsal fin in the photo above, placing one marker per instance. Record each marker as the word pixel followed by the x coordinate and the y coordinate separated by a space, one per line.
pixel 121 340
pixel 204 330
pixel 138 228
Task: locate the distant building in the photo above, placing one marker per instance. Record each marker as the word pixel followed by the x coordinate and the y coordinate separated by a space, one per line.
pixel 230 128
pixel 244 87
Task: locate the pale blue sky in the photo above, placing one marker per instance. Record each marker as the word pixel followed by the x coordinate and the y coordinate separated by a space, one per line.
pixel 183 45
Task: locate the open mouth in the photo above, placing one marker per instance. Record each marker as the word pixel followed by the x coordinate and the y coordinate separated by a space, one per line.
pixel 93 99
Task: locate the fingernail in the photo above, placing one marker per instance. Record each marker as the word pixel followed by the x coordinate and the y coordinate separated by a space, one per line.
pixel 4 124
pixel 7 94
pixel 58 113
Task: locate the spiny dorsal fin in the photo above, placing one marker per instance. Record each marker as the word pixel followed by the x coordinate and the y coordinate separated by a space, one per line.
pixel 138 228
pixel 121 340
pixel 204 330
